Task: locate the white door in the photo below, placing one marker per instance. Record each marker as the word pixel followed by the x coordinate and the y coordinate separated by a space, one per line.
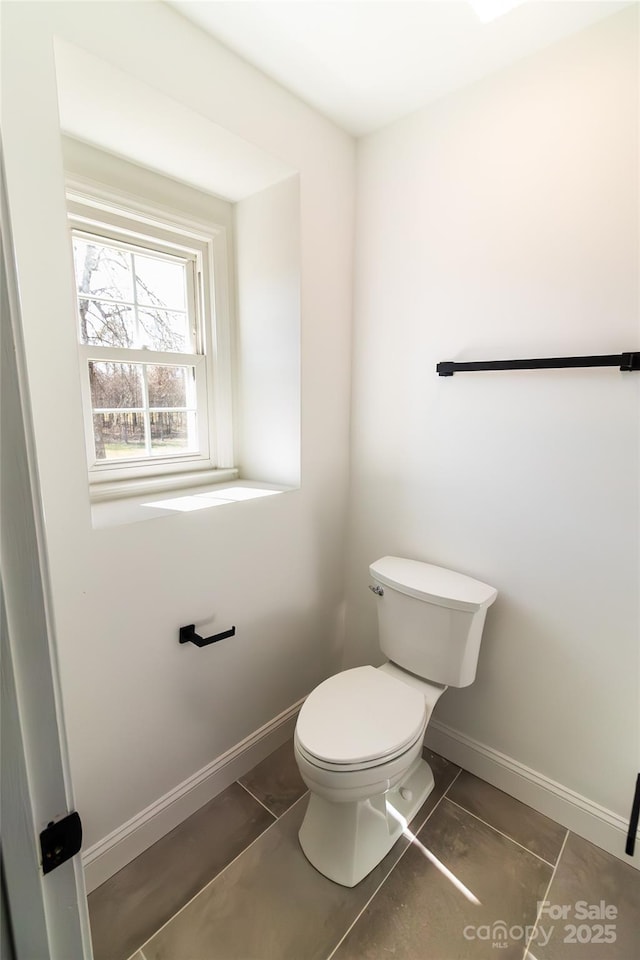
pixel 47 913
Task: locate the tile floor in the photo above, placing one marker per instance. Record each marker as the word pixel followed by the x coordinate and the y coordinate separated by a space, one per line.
pixel 231 883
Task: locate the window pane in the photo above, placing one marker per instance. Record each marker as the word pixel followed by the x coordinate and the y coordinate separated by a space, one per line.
pixel 118 435
pixel 164 330
pixel 168 386
pixel 116 384
pixel 160 283
pixel 173 432
pixel 102 271
pixel 106 324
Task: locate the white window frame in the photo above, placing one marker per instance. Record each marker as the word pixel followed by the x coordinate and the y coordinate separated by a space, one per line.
pixel 116 217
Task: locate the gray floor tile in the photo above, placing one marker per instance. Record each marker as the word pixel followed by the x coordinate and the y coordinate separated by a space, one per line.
pixel 271 904
pixel 421 913
pixel 520 822
pixel 276 781
pixel 132 905
pixel 587 873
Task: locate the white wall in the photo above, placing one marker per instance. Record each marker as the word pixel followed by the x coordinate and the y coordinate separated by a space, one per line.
pixel 143 712
pixel 267 229
pixel 503 222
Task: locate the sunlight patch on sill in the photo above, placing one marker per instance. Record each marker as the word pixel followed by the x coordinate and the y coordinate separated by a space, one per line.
pixel 214 498
pixel 134 509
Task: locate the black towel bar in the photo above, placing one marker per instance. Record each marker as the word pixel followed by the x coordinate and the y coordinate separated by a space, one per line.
pixel 625 361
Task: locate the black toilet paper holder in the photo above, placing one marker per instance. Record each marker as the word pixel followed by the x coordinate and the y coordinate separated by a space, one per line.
pixel 188 635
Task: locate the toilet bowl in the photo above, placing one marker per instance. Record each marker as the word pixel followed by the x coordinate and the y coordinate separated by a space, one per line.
pixel 359 735
pixel 358 746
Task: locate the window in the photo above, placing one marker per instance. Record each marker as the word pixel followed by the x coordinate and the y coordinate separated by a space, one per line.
pixel 151 335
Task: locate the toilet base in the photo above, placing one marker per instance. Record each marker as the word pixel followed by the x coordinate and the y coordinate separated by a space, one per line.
pixel 345 841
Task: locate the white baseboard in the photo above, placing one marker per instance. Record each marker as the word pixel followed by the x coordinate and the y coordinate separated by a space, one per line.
pixel 602 827
pixel 582 816
pixel 116 850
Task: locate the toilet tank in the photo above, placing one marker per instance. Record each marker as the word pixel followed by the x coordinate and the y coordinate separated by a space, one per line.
pixel 430 619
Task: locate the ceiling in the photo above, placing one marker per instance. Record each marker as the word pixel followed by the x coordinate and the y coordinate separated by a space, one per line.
pixel 364 64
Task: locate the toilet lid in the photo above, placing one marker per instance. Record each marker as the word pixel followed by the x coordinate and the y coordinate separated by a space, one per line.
pixel 359 715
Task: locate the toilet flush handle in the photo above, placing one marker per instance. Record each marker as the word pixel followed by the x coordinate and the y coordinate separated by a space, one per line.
pixel 379 592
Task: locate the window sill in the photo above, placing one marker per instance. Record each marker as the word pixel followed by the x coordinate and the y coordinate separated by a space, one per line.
pixel 167 503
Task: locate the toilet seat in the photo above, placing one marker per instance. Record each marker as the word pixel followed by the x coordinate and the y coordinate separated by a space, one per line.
pixel 355 767
pixel 358 719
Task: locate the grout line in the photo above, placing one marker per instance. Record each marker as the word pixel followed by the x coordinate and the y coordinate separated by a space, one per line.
pixel 391 869
pixel 502 834
pixel 218 875
pixel 564 843
pixel 546 894
pixel 258 800
pixel 452 783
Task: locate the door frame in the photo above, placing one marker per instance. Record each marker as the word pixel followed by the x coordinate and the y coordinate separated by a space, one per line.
pixel 48 915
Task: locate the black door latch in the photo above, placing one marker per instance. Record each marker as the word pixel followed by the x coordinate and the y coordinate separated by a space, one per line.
pixel 60 841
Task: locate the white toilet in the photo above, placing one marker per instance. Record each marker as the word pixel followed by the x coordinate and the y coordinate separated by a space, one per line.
pixel 359 735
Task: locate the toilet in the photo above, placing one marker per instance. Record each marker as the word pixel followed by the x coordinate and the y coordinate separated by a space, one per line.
pixel 359 735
